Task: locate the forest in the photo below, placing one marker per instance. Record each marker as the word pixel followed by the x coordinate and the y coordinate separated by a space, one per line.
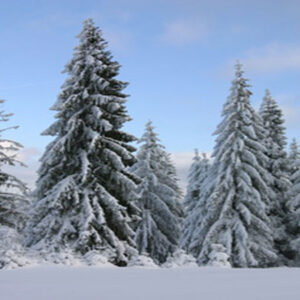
pixel 98 200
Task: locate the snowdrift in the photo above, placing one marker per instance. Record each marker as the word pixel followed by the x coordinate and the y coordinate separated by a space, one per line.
pixel 113 283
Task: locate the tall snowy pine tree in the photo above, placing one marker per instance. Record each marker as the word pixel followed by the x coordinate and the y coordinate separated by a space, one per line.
pixel 275 142
pixel 159 231
pixel 197 175
pixel 236 209
pixel 84 199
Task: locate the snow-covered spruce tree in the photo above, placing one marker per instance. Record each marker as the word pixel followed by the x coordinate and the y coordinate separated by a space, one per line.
pixel 158 233
pixel 14 202
pixel 293 157
pixel 294 204
pixel 294 216
pixel 198 215
pixel 13 192
pixel 196 177
pixel 171 179
pixel 84 199
pixel 236 208
pixel 275 142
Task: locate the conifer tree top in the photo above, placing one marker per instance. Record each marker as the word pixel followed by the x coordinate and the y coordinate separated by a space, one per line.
pixel 92 77
pixel 149 136
pixel 272 117
pixel 294 150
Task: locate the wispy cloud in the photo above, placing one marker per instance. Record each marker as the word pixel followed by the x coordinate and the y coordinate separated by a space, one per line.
pixel 290 106
pixel 184 32
pixel 51 22
pixel 118 40
pixel 273 57
pixel 182 162
pixel 112 25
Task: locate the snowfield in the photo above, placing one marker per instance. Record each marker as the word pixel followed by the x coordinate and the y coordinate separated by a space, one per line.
pixel 112 283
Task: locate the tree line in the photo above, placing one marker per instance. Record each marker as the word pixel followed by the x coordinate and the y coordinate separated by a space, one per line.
pixel 96 200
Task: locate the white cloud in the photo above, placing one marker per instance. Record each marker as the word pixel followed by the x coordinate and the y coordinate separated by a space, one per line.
pixel 183 32
pixel 270 58
pixel 273 58
pixel 183 161
pixel 50 22
pixel 118 40
pixel 291 113
pixel 290 106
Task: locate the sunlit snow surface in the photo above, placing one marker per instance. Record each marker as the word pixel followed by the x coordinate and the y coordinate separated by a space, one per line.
pixel 88 283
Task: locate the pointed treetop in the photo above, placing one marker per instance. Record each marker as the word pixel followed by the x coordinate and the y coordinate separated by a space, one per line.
pixel 149 136
pixel 267 101
pixel 294 150
pixel 294 141
pixel 149 125
pixel 238 70
pixel 294 145
pixel 272 117
pixel 239 86
pixel 91 32
pixel 238 67
pixel 88 22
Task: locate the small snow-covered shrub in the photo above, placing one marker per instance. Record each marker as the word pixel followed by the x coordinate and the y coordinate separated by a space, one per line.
pixel 218 256
pixel 12 253
pixel 142 261
pixel 63 257
pixel 180 259
pixel 12 259
pixel 94 258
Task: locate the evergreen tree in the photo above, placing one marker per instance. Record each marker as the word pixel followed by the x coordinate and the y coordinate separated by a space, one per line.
pixel 294 216
pixel 236 205
pixel 171 179
pixel 293 156
pixel 197 175
pixel 158 233
pixel 13 192
pixel 193 187
pixel 14 202
pixel 275 142
pixel 84 199
pixel 294 204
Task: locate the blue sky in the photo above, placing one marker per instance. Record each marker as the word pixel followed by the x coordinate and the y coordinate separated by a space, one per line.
pixel 178 56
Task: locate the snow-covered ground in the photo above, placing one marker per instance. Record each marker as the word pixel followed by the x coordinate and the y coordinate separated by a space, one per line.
pixel 111 283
